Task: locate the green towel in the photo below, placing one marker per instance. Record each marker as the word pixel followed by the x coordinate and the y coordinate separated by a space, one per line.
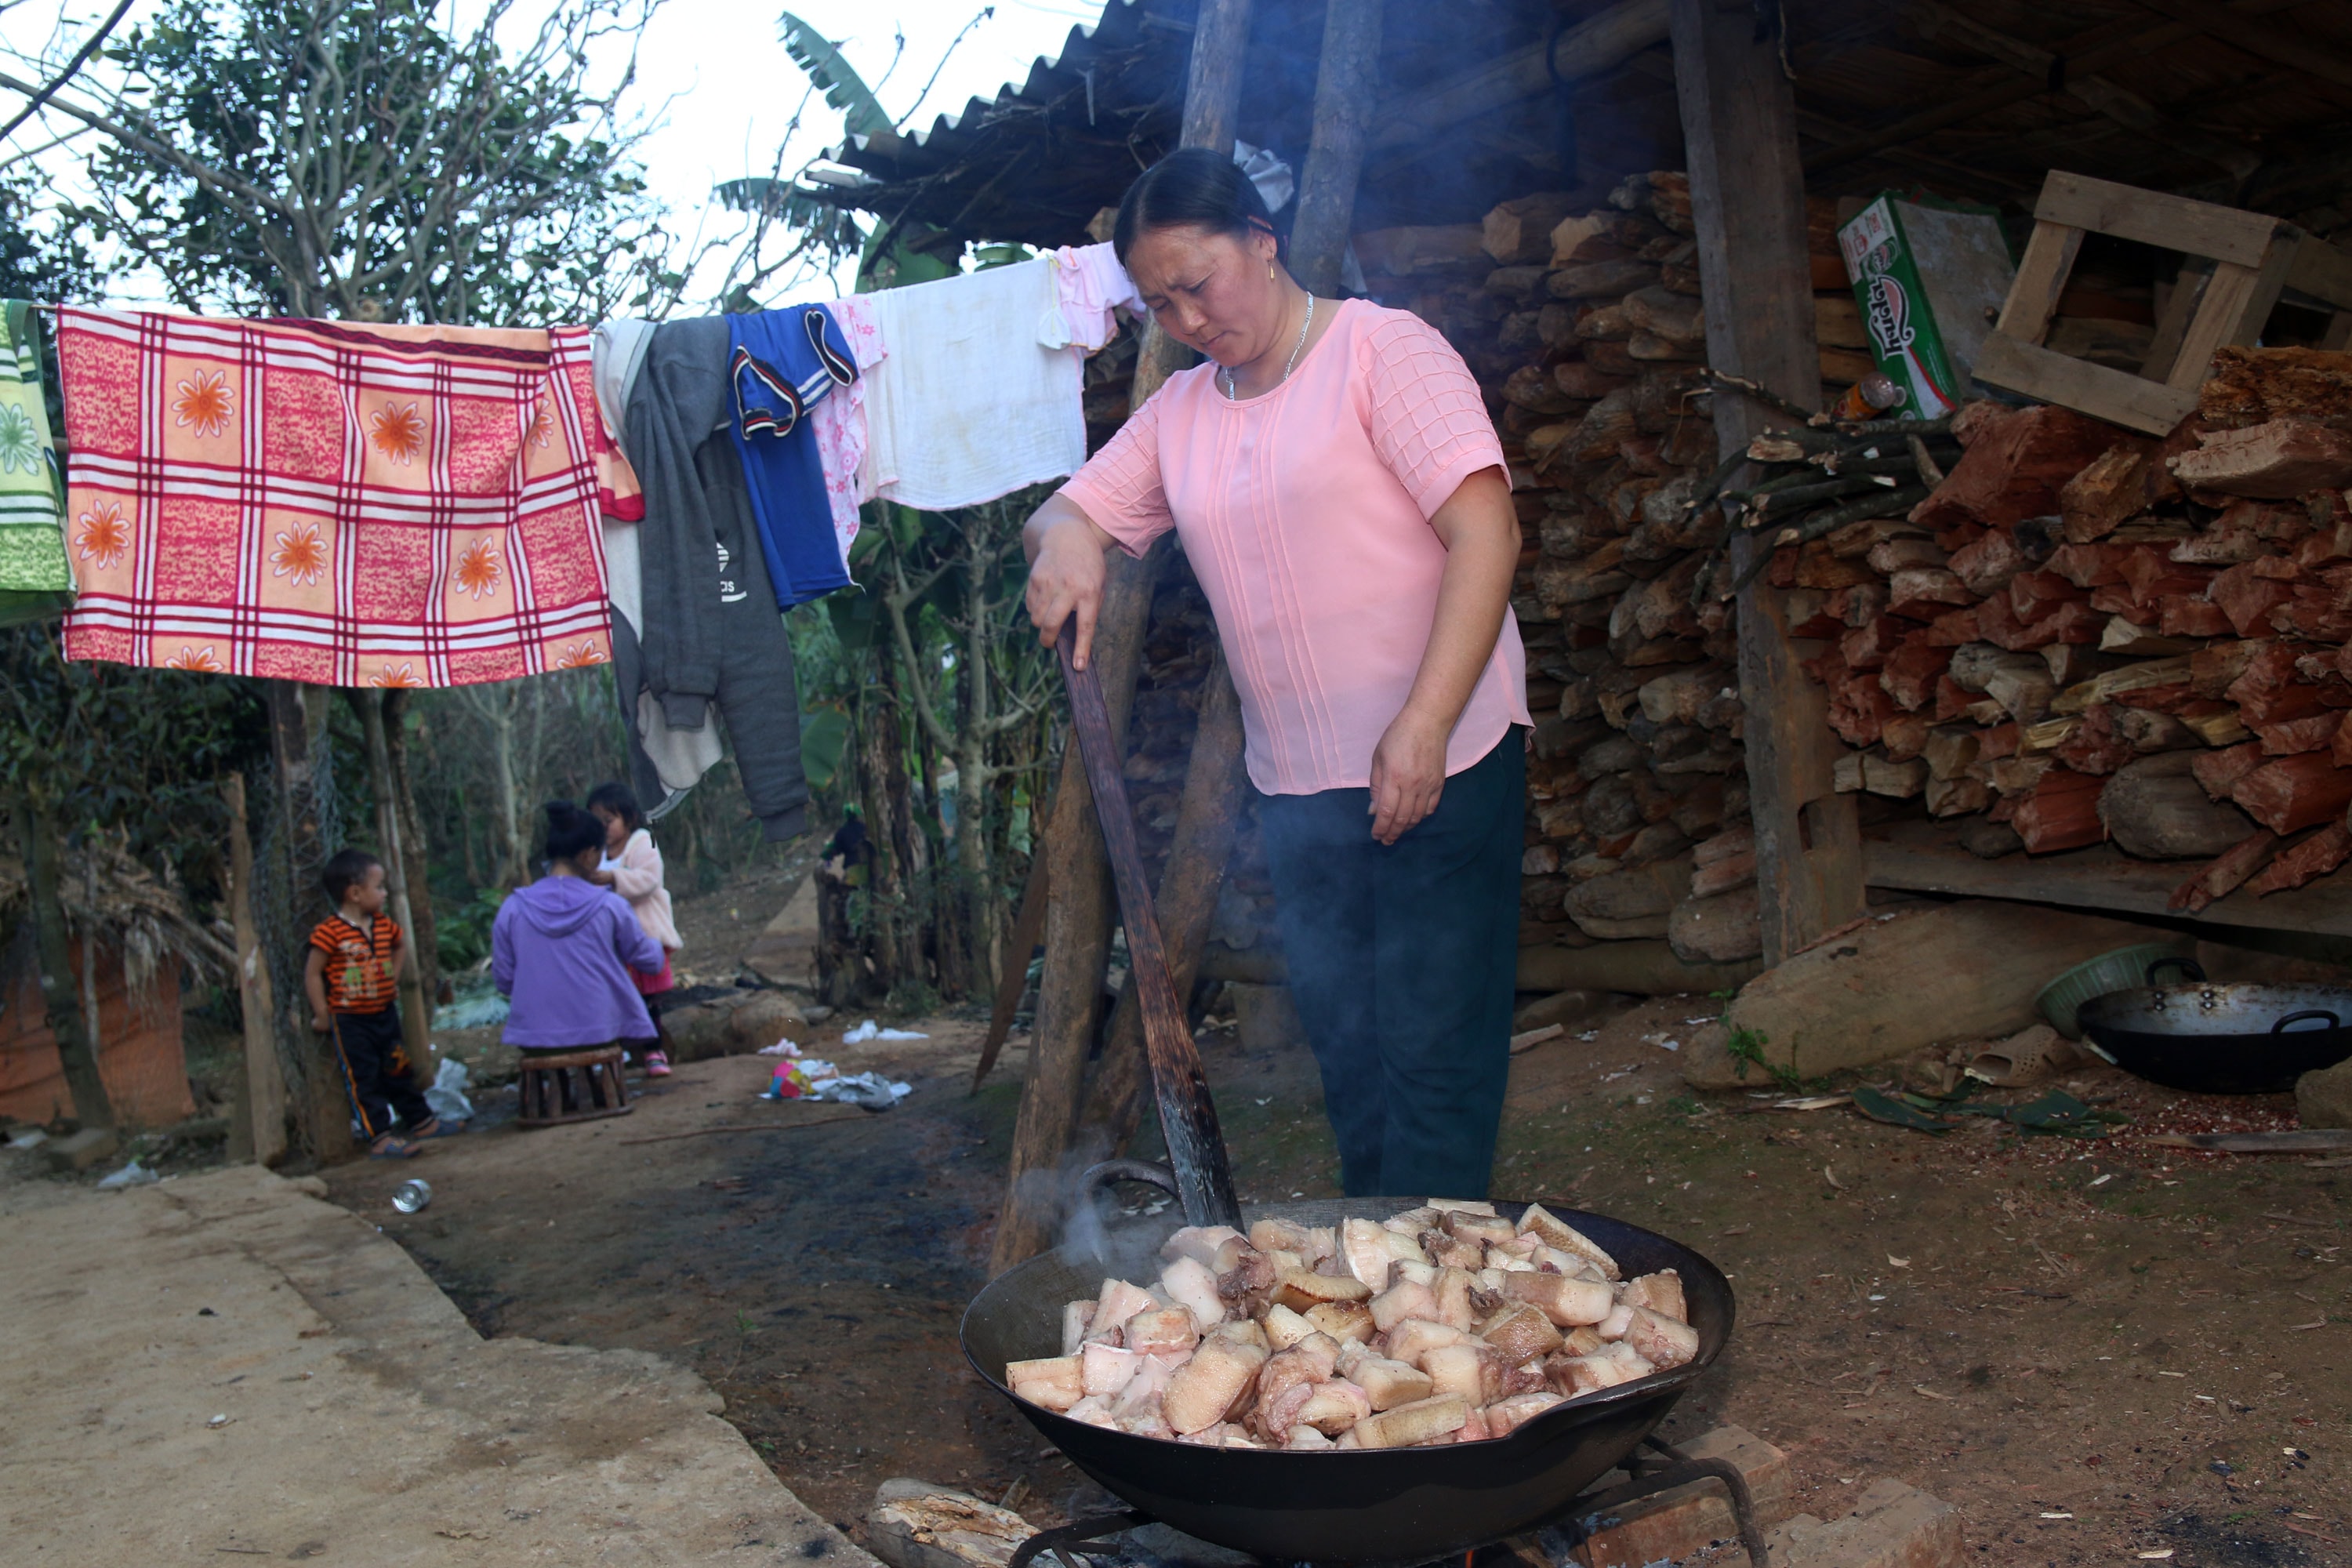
pixel 35 578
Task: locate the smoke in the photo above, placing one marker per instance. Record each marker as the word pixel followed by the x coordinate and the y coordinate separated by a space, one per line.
pixel 1100 1233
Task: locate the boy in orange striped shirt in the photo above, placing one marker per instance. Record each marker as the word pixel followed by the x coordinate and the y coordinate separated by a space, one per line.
pixel 352 975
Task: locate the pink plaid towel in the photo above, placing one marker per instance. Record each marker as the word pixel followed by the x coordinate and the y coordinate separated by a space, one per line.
pixel 332 502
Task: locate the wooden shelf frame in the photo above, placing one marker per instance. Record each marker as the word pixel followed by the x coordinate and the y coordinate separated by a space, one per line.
pixel 2256 258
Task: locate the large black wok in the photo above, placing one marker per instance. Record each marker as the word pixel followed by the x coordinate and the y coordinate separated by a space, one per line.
pixel 1401 1505
pixel 2220 1038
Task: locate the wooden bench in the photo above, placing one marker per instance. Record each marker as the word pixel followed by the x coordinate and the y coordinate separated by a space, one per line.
pixel 572 1086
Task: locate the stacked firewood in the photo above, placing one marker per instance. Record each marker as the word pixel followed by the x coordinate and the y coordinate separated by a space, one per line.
pixel 2085 635
pixel 1586 329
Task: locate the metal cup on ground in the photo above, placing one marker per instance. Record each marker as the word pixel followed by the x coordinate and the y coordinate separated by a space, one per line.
pixel 411 1196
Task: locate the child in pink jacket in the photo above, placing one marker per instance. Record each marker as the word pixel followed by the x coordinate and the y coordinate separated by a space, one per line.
pixel 633 867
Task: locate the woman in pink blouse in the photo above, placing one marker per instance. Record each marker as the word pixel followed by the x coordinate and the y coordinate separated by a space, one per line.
pixel 1341 495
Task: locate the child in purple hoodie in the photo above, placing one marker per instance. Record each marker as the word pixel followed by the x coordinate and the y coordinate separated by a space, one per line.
pixel 562 947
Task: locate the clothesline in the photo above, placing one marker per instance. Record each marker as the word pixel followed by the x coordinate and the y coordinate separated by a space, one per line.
pixel 372 504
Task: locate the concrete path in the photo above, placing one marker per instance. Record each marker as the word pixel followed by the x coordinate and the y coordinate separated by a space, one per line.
pixel 224 1366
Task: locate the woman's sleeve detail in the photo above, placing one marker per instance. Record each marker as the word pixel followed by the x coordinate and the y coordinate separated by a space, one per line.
pixel 639 870
pixel 1119 487
pixel 1427 419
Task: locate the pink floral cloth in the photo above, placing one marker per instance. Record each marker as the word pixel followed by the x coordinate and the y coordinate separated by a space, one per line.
pixel 839 421
pixel 1305 514
pixel 332 502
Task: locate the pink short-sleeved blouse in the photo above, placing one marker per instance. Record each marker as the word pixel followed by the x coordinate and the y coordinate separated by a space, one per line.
pixel 1305 512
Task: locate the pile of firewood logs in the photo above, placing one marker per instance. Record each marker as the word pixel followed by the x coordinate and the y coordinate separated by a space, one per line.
pixel 2085 634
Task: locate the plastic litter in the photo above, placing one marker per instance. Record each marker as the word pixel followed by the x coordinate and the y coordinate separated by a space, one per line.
pixel 134 1174
pixel 868 1031
pixel 471 1013
pixel 867 1090
pixel 29 1138
pixel 447 1095
pixel 781 1049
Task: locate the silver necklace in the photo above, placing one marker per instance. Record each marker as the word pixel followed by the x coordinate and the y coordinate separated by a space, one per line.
pixel 1287 365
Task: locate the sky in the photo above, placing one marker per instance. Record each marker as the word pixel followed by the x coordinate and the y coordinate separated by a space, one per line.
pixel 713 82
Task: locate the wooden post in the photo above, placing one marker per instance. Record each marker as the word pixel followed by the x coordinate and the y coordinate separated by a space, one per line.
pixel 415 1021
pixel 1079 902
pixel 258 1130
pixel 1213 102
pixel 1345 84
pixel 1079 915
pixel 1208 818
pixel 1748 201
pixel 37 832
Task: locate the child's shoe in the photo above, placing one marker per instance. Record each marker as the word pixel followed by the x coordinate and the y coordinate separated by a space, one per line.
pixel 657 1064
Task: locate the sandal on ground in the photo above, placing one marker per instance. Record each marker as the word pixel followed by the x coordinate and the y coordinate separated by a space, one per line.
pixel 393 1148
pixel 657 1064
pixel 443 1126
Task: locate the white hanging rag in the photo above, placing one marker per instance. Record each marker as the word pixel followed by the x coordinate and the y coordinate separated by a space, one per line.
pixel 971 405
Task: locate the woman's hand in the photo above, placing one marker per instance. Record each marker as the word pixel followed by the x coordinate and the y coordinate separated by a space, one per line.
pixel 1065 572
pixel 1408 774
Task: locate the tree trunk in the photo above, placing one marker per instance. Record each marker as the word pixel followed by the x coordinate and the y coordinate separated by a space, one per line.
pixel 878 945
pixel 258 1130
pixel 515 852
pixel 414 858
pixel 37 830
pixel 1345 87
pixel 320 1103
pixel 415 1025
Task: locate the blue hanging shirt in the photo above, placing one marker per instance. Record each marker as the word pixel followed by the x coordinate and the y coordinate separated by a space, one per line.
pixel 782 364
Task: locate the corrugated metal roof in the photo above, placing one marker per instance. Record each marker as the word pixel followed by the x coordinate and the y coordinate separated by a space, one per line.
pixel 1037 161
pixel 1875 86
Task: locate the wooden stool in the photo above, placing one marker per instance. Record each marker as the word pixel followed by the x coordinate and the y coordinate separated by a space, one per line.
pixel 572 1086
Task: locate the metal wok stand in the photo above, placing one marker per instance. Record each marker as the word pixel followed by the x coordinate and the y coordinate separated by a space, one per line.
pixel 1551 1544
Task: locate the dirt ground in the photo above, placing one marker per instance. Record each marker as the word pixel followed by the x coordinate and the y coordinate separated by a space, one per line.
pixel 2095 1348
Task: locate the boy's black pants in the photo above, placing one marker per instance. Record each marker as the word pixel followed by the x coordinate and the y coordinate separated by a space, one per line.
pixel 376 1071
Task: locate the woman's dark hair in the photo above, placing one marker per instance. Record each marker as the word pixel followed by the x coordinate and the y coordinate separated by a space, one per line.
pixel 571 832
pixel 618 799
pixel 1194 188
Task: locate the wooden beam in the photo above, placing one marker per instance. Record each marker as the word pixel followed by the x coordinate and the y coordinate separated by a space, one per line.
pixel 1213 91
pixel 2040 280
pixel 1078 917
pixel 1345 85
pixel 2093 91
pixel 2322 271
pixel 2086 53
pixel 2116 396
pixel 1594 45
pixel 2152 217
pixel 1208 820
pixel 1747 203
pixel 1212 106
pixel 2296 51
pixel 1921 858
pixel 2237 302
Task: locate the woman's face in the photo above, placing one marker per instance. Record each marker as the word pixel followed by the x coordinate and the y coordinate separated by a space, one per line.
pixel 1210 291
pixel 615 834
